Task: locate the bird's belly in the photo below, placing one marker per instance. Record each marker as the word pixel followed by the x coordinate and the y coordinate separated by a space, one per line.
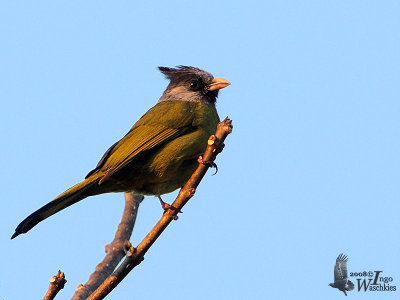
pixel 173 179
pixel 168 168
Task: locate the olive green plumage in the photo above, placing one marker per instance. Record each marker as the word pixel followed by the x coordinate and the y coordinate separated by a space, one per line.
pixel 159 153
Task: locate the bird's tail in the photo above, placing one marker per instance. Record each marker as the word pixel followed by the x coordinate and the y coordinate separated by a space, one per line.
pixel 86 188
pixel 351 285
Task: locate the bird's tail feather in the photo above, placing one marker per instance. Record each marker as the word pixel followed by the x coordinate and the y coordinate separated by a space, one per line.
pixel 69 197
pixel 351 285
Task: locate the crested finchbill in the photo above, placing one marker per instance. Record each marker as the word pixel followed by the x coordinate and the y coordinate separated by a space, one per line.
pixel 160 151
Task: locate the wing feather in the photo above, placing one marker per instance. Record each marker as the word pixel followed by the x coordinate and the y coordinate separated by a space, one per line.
pixel 164 122
pixel 340 271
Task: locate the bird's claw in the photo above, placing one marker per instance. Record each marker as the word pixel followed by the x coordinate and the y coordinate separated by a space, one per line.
pixel 208 163
pixel 165 206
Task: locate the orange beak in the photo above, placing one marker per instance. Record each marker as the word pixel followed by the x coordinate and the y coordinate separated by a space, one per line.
pixel 217 84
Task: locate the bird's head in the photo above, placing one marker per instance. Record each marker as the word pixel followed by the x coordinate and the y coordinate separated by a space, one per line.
pixel 191 84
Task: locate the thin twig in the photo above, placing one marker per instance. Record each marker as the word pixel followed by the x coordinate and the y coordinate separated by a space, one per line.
pixel 57 283
pixel 215 145
pixel 116 250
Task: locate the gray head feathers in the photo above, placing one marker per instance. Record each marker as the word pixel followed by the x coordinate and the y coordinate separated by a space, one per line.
pixel 188 84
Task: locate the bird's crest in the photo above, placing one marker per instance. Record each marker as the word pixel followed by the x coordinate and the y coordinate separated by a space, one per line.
pixel 185 73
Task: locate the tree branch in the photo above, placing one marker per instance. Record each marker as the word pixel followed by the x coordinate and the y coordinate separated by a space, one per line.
pixel 57 283
pixel 215 146
pixel 116 250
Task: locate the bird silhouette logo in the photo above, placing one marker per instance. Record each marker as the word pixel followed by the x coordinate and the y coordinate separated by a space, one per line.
pixel 340 275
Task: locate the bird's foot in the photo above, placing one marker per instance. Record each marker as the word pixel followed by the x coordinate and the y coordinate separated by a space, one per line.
pixel 165 206
pixel 208 163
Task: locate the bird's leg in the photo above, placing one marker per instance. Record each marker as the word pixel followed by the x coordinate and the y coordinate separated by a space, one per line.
pixel 208 163
pixel 165 206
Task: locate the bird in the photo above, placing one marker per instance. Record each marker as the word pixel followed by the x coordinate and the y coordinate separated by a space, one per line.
pixel 340 275
pixel 161 150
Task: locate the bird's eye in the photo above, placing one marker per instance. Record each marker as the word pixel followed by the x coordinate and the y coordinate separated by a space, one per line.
pixel 194 85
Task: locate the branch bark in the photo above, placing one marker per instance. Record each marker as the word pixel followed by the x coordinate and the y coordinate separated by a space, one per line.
pixel 57 283
pixel 215 146
pixel 116 250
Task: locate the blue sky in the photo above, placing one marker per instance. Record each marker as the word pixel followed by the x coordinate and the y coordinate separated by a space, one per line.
pixel 311 169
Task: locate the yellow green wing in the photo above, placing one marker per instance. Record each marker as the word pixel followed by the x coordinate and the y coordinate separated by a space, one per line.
pixel 162 123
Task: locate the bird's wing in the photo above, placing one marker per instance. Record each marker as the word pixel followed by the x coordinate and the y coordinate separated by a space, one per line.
pixel 341 268
pixel 162 123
